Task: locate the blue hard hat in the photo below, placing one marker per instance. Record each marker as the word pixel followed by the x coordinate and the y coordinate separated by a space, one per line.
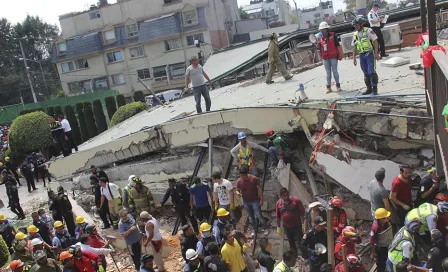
pixel 241 135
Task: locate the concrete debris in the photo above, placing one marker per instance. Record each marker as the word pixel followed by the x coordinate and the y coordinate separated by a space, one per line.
pixel 395 62
pixel 415 66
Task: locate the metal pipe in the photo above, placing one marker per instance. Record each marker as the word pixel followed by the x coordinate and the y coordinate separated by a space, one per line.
pixel 27 72
pixel 210 156
pixel 330 235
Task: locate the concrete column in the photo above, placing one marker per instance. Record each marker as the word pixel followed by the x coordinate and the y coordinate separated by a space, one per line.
pixel 210 157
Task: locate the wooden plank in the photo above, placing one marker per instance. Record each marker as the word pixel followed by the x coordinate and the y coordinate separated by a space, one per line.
pixel 308 172
pixel 297 189
pixel 344 258
pixel 330 236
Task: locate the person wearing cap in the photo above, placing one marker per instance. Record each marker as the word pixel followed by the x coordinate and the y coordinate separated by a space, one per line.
pixel 348 238
pixel 223 194
pixel 287 263
pixel 98 172
pixel 339 215
pixel 153 238
pixel 147 263
pixel 219 224
pixel 194 263
pixel 81 225
pixel 274 60
pixel 379 196
pixel 375 25
pixel 214 262
pixel 140 198
pixel 265 259
pixel 180 197
pixel 206 238
pixel 314 209
pixel 315 235
pixel 38 244
pixel 43 263
pixel 126 190
pixel 65 207
pixel 437 253
pixel 112 193
pixel 86 261
pixel 12 170
pixel 27 172
pixel 330 53
pixel 354 263
pixel 68 262
pixel 199 193
pixel 62 238
pixel 21 249
pixel 429 187
pixel 7 231
pixel 131 234
pixel 44 231
pixel 13 194
pixel 188 240
pixel 232 254
pixel 381 235
pixel 279 150
pixel 40 168
pixel 243 153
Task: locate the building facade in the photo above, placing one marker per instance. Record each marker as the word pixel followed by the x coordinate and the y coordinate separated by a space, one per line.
pixel 311 17
pixel 269 10
pixel 111 46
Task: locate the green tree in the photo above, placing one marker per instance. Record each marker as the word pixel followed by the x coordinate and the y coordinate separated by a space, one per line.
pixel 50 111
pixel 127 111
pixel 243 13
pixel 58 111
pixel 90 120
pixel 139 96
pixel 120 100
pixel 100 118
pixel 82 121
pixel 111 107
pixel 71 117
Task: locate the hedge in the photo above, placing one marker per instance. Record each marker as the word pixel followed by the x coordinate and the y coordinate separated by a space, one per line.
pixel 111 107
pixel 31 110
pixel 127 111
pixel 139 96
pixel 50 112
pixel 90 119
pixel 71 117
pixel 120 100
pixel 100 118
pixel 58 111
pixel 82 121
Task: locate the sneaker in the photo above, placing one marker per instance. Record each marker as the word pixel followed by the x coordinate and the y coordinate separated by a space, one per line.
pixel 328 89
pixel 369 91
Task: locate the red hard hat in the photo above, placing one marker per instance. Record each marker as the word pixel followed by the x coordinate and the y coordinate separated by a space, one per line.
pixel 15 264
pixel 269 133
pixel 441 197
pixel 349 232
pixel 336 202
pixel 353 260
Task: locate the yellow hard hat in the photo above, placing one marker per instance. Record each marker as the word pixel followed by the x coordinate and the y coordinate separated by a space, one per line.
pixel 58 224
pixel 381 213
pixel 2 217
pixel 32 229
pixel 20 236
pixel 1 164
pixel 222 212
pixel 7 159
pixel 205 227
pixel 80 220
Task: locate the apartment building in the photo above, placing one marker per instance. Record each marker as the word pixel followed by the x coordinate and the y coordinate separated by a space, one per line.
pixel 311 17
pixel 110 46
pixel 270 10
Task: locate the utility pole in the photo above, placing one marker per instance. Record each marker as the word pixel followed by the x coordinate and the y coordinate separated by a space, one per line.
pixel 43 76
pixel 27 72
pixel 297 15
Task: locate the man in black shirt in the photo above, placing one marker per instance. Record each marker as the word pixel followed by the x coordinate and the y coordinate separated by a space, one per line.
pixel 188 241
pixel 94 181
pixel 63 202
pixel 13 194
pixel 265 258
pixel 98 173
pixel 438 253
pixel 214 262
pixel 11 169
pixel 44 231
pixel 429 187
pixel 28 174
pixel 180 197
pixel 318 234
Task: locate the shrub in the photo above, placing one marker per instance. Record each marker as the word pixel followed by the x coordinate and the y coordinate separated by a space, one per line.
pixel 120 100
pixel 31 110
pixel 139 96
pixel 58 111
pixel 71 117
pixel 82 121
pixel 50 111
pixel 90 119
pixel 30 132
pixel 4 252
pixel 111 107
pixel 100 118
pixel 126 112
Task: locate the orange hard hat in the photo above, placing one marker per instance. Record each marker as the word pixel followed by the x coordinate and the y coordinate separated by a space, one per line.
pixel 15 264
pixel 65 255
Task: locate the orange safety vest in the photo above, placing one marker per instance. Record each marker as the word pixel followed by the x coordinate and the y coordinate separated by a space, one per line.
pixel 245 156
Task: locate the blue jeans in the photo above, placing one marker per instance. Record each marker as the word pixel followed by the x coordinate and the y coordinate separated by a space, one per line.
pixel 368 65
pixel 253 208
pixel 331 65
pixel 273 154
pixel 197 92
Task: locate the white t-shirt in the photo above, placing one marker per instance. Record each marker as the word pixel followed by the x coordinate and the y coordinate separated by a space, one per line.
pixel 113 188
pixel 65 125
pixel 223 191
pixel 373 16
pixel 196 75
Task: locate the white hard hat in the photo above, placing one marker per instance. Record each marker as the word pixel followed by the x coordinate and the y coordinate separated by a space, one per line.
pixel 323 25
pixel 36 241
pixel 191 254
pixel 131 177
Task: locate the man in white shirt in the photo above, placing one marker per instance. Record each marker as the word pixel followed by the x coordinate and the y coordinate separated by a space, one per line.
pixel 68 133
pixel 195 73
pixel 112 193
pixel 223 194
pixel 84 243
pixel 154 238
pixel 375 25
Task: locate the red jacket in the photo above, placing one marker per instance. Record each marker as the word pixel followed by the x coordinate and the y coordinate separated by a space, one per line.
pixel 349 245
pixel 339 221
pixel 340 268
pixel 95 241
pixel 328 49
pixel 85 263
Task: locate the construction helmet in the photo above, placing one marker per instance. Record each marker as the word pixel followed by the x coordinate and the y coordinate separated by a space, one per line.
pixel 19 245
pixel 439 197
pixel 273 36
pixel 2 217
pixel 349 232
pixel 7 159
pixel 20 236
pixel 360 20
pixel 1 164
pixel 270 133
pixel 131 177
pixel 39 254
pixel 353 260
pixel 442 207
pixel 205 227
pixel 58 224
pixel 36 241
pixel 222 212
pixel 323 25
pixel 32 229
pixel 241 135
pixel 137 179
pixel 15 264
pixel 413 226
pixel 80 219
pixel 336 202
pixel 191 254
pixel 381 213
pixel 65 255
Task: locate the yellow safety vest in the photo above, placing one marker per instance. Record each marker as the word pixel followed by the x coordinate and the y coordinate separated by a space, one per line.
pixel 395 254
pixel 281 267
pixel 245 156
pixel 140 199
pixel 421 213
pixel 364 45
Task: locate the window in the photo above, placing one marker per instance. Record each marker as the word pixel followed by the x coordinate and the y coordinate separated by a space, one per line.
pixel 101 84
pixel 114 57
pixel 173 44
pixel 159 73
pixel 136 52
pixel 308 22
pixel 192 38
pixel 132 30
pixel 95 15
pixel 177 70
pixel 118 79
pixel 80 87
pixel 144 73
pixel 74 65
pixel 62 47
pixel 190 17
pixel 109 36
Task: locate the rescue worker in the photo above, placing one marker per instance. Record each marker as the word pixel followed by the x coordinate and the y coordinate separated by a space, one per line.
pixel 153 237
pixel 429 188
pixel 85 261
pixel 63 202
pixel 219 224
pixel 354 264
pixel 40 168
pixel 279 151
pixel 199 194
pixel 21 250
pixel 43 263
pixel 316 235
pixel 7 231
pixel 348 238
pixel 98 173
pixel 427 213
pixel 314 209
pixel 437 253
pixel 27 173
pixel 38 244
pixel 54 207
pixel 68 262
pixel 95 240
pixel 265 259
pixel 243 153
pixel 274 60
pixel 13 194
pixel 365 42
pixel 442 219
pixel 206 238
pixel 339 216
pixel 330 53
pixel 81 225
pixel 85 242
pixel 112 193
pixel 18 266
pixel 403 244
pixel 12 170
pixel 57 132
pixel 126 191
pixel 147 263
pixel 61 239
pixel 375 24
pixel 140 198
pixel 47 219
pixel 381 235
pixel 188 240
pixel 102 210
pixel 193 262
pixel 44 231
pixel 287 263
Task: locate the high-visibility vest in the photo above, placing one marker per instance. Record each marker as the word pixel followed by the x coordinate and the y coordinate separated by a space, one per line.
pixel 281 267
pixel 421 213
pixel 395 254
pixel 140 199
pixel 245 156
pixel 364 45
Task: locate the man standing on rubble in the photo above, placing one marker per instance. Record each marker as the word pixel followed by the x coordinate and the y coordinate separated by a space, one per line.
pixel 140 198
pixel 274 60
pixel 196 74
pixel 103 210
pixel 244 154
pixel 381 236
pixel 223 194
pixel 401 194
pixel 316 235
pixel 279 150
pixel 112 193
pixel 154 238
pixel 62 201
pixel 375 25
pixel 188 240
pixel 129 230
pixel 379 197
